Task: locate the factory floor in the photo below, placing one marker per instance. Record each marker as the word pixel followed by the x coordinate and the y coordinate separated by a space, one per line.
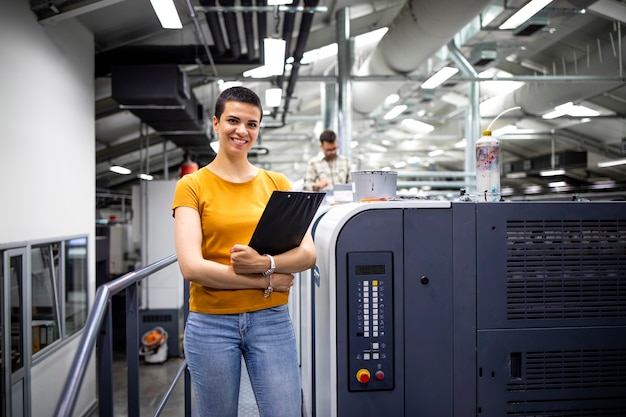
pixel 154 380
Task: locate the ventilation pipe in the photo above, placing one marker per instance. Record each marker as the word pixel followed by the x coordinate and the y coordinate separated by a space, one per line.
pixel 472 115
pixel 213 22
pixel 261 23
pixel 303 36
pixel 232 28
pixel 248 29
pixel 421 28
pixel 541 97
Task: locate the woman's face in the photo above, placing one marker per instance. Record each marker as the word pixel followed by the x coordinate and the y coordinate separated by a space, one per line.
pixel 238 127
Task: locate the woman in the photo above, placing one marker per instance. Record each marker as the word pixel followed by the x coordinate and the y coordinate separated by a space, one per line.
pixel 238 297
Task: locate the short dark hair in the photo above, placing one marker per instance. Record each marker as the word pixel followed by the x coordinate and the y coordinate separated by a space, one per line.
pixel 328 136
pixel 242 94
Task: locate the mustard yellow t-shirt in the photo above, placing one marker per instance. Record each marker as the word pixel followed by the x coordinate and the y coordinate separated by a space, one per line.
pixel 229 213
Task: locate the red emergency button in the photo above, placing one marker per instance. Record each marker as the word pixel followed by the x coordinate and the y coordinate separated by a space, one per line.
pixel 380 375
pixel 363 376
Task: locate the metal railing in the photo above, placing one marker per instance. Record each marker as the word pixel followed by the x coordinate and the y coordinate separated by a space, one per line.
pixel 98 332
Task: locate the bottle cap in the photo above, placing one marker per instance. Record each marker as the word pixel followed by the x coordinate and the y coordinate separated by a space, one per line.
pixel 486 132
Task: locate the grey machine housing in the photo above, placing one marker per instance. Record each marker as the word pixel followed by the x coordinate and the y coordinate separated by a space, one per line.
pixel 469 309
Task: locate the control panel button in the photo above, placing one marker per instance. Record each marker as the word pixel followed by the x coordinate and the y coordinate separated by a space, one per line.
pixel 363 376
pixel 380 375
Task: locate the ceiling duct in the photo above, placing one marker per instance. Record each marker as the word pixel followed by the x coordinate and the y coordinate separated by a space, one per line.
pixel 224 51
pixel 161 97
pixel 164 55
pixel 399 53
pixel 483 56
pixel 215 28
pixel 558 160
pixel 537 99
pixel 303 35
pixel 232 29
pixel 531 26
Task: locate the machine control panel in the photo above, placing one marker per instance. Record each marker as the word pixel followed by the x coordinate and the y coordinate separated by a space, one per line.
pixel 370 321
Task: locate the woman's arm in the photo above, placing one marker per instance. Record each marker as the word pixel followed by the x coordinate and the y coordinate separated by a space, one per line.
pixel 193 266
pixel 246 260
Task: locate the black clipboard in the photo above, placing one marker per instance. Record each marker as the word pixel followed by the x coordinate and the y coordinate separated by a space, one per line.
pixel 284 221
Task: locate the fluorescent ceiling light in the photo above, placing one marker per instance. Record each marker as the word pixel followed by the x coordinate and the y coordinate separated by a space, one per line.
pixel 395 112
pixel 258 72
pixel 514 175
pixel 278 2
pixel 552 172
pixel 557 184
pixel 376 147
pixel 523 14
pixel 391 99
pixel 533 189
pixel 274 59
pixel 223 85
pixel 436 152
pixel 145 177
pixel 461 144
pixel 273 96
pixel 606 164
pixel 120 170
pixel 504 130
pixel 167 14
pixel 417 126
pixel 440 77
pixel 274 54
pixel 455 99
pixel 570 109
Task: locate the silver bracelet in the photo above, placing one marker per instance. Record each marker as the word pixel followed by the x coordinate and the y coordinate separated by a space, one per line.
pixel 272 266
pixel 269 288
pixel 269 273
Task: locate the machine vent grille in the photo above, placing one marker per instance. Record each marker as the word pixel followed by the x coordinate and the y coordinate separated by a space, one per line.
pixel 157 318
pixel 572 370
pixel 566 269
pixel 555 409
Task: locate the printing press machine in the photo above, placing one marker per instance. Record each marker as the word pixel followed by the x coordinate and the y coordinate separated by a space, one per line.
pixel 433 308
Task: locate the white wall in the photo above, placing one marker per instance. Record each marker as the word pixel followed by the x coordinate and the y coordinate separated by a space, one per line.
pixel 47 149
pixel 165 288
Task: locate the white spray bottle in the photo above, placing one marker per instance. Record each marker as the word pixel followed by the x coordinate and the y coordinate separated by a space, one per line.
pixel 487 168
pixel 488 165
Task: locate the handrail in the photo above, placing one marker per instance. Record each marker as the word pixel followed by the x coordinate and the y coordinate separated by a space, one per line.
pixel 95 321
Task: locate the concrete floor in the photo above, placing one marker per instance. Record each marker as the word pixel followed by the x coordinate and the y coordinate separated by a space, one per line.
pixel 154 380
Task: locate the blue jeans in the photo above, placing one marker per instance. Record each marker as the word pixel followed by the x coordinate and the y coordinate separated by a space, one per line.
pixel 214 344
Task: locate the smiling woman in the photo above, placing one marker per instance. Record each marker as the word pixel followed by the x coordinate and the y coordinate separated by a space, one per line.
pixel 238 296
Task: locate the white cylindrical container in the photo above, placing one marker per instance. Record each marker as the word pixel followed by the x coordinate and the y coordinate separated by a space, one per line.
pixel 374 184
pixel 487 168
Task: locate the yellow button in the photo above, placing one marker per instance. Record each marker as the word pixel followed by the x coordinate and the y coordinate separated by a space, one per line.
pixel 375 283
pixel 363 376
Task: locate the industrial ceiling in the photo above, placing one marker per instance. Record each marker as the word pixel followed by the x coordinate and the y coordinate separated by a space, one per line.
pixel 155 88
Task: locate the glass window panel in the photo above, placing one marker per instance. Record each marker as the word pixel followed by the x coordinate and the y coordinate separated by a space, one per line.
pixel 45 312
pixel 17 334
pixel 76 271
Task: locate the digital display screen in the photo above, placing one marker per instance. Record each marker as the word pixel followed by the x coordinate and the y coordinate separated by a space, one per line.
pixel 369 269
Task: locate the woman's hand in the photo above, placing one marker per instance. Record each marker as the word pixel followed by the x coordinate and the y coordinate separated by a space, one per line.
pixel 246 260
pixel 281 282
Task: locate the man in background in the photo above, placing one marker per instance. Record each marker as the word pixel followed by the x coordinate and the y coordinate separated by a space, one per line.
pixel 328 167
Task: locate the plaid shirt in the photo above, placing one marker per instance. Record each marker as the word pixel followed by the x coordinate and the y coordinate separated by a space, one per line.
pixel 337 171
